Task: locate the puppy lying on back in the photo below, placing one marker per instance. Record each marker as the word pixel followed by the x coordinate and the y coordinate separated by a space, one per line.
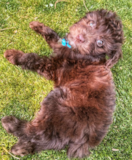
pixel 78 112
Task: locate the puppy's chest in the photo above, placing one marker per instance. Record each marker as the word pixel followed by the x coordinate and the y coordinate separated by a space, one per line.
pixel 73 76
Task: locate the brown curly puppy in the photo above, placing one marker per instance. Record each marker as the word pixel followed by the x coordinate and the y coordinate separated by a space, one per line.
pixel 78 112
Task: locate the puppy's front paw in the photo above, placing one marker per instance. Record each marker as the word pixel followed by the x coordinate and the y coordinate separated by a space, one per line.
pixel 13 56
pixel 37 26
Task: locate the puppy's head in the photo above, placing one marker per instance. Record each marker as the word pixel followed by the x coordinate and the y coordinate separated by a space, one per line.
pixel 99 33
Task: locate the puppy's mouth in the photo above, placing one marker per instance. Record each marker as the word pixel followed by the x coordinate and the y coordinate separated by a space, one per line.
pixel 80 38
pixel 76 40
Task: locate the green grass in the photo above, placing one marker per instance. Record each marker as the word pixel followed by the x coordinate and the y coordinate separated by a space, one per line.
pixel 22 91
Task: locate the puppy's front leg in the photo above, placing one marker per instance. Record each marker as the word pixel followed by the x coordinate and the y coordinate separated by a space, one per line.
pixel 26 61
pixel 47 33
pixel 44 66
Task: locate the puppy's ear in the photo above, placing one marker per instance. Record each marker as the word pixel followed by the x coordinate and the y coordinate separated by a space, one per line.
pixel 116 28
pixel 114 58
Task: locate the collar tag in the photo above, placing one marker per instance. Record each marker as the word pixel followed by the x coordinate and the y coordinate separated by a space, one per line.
pixel 65 43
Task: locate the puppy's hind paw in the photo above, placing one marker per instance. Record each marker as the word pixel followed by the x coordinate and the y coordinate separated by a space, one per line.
pixel 22 148
pixel 10 124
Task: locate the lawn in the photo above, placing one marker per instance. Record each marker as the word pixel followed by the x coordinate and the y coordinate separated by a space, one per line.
pixel 22 91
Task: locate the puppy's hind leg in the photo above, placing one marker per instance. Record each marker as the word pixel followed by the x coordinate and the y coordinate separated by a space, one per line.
pixel 78 150
pixel 13 125
pixel 23 147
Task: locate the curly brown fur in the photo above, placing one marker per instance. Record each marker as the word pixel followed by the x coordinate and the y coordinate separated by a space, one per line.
pixel 99 33
pixel 78 112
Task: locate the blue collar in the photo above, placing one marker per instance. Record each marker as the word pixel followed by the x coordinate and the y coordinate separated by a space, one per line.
pixel 65 43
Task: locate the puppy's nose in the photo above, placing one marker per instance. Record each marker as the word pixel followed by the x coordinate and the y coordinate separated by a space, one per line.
pixel 80 38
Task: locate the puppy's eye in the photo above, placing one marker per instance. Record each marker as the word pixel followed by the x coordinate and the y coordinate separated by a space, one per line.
pixel 91 24
pixel 99 43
